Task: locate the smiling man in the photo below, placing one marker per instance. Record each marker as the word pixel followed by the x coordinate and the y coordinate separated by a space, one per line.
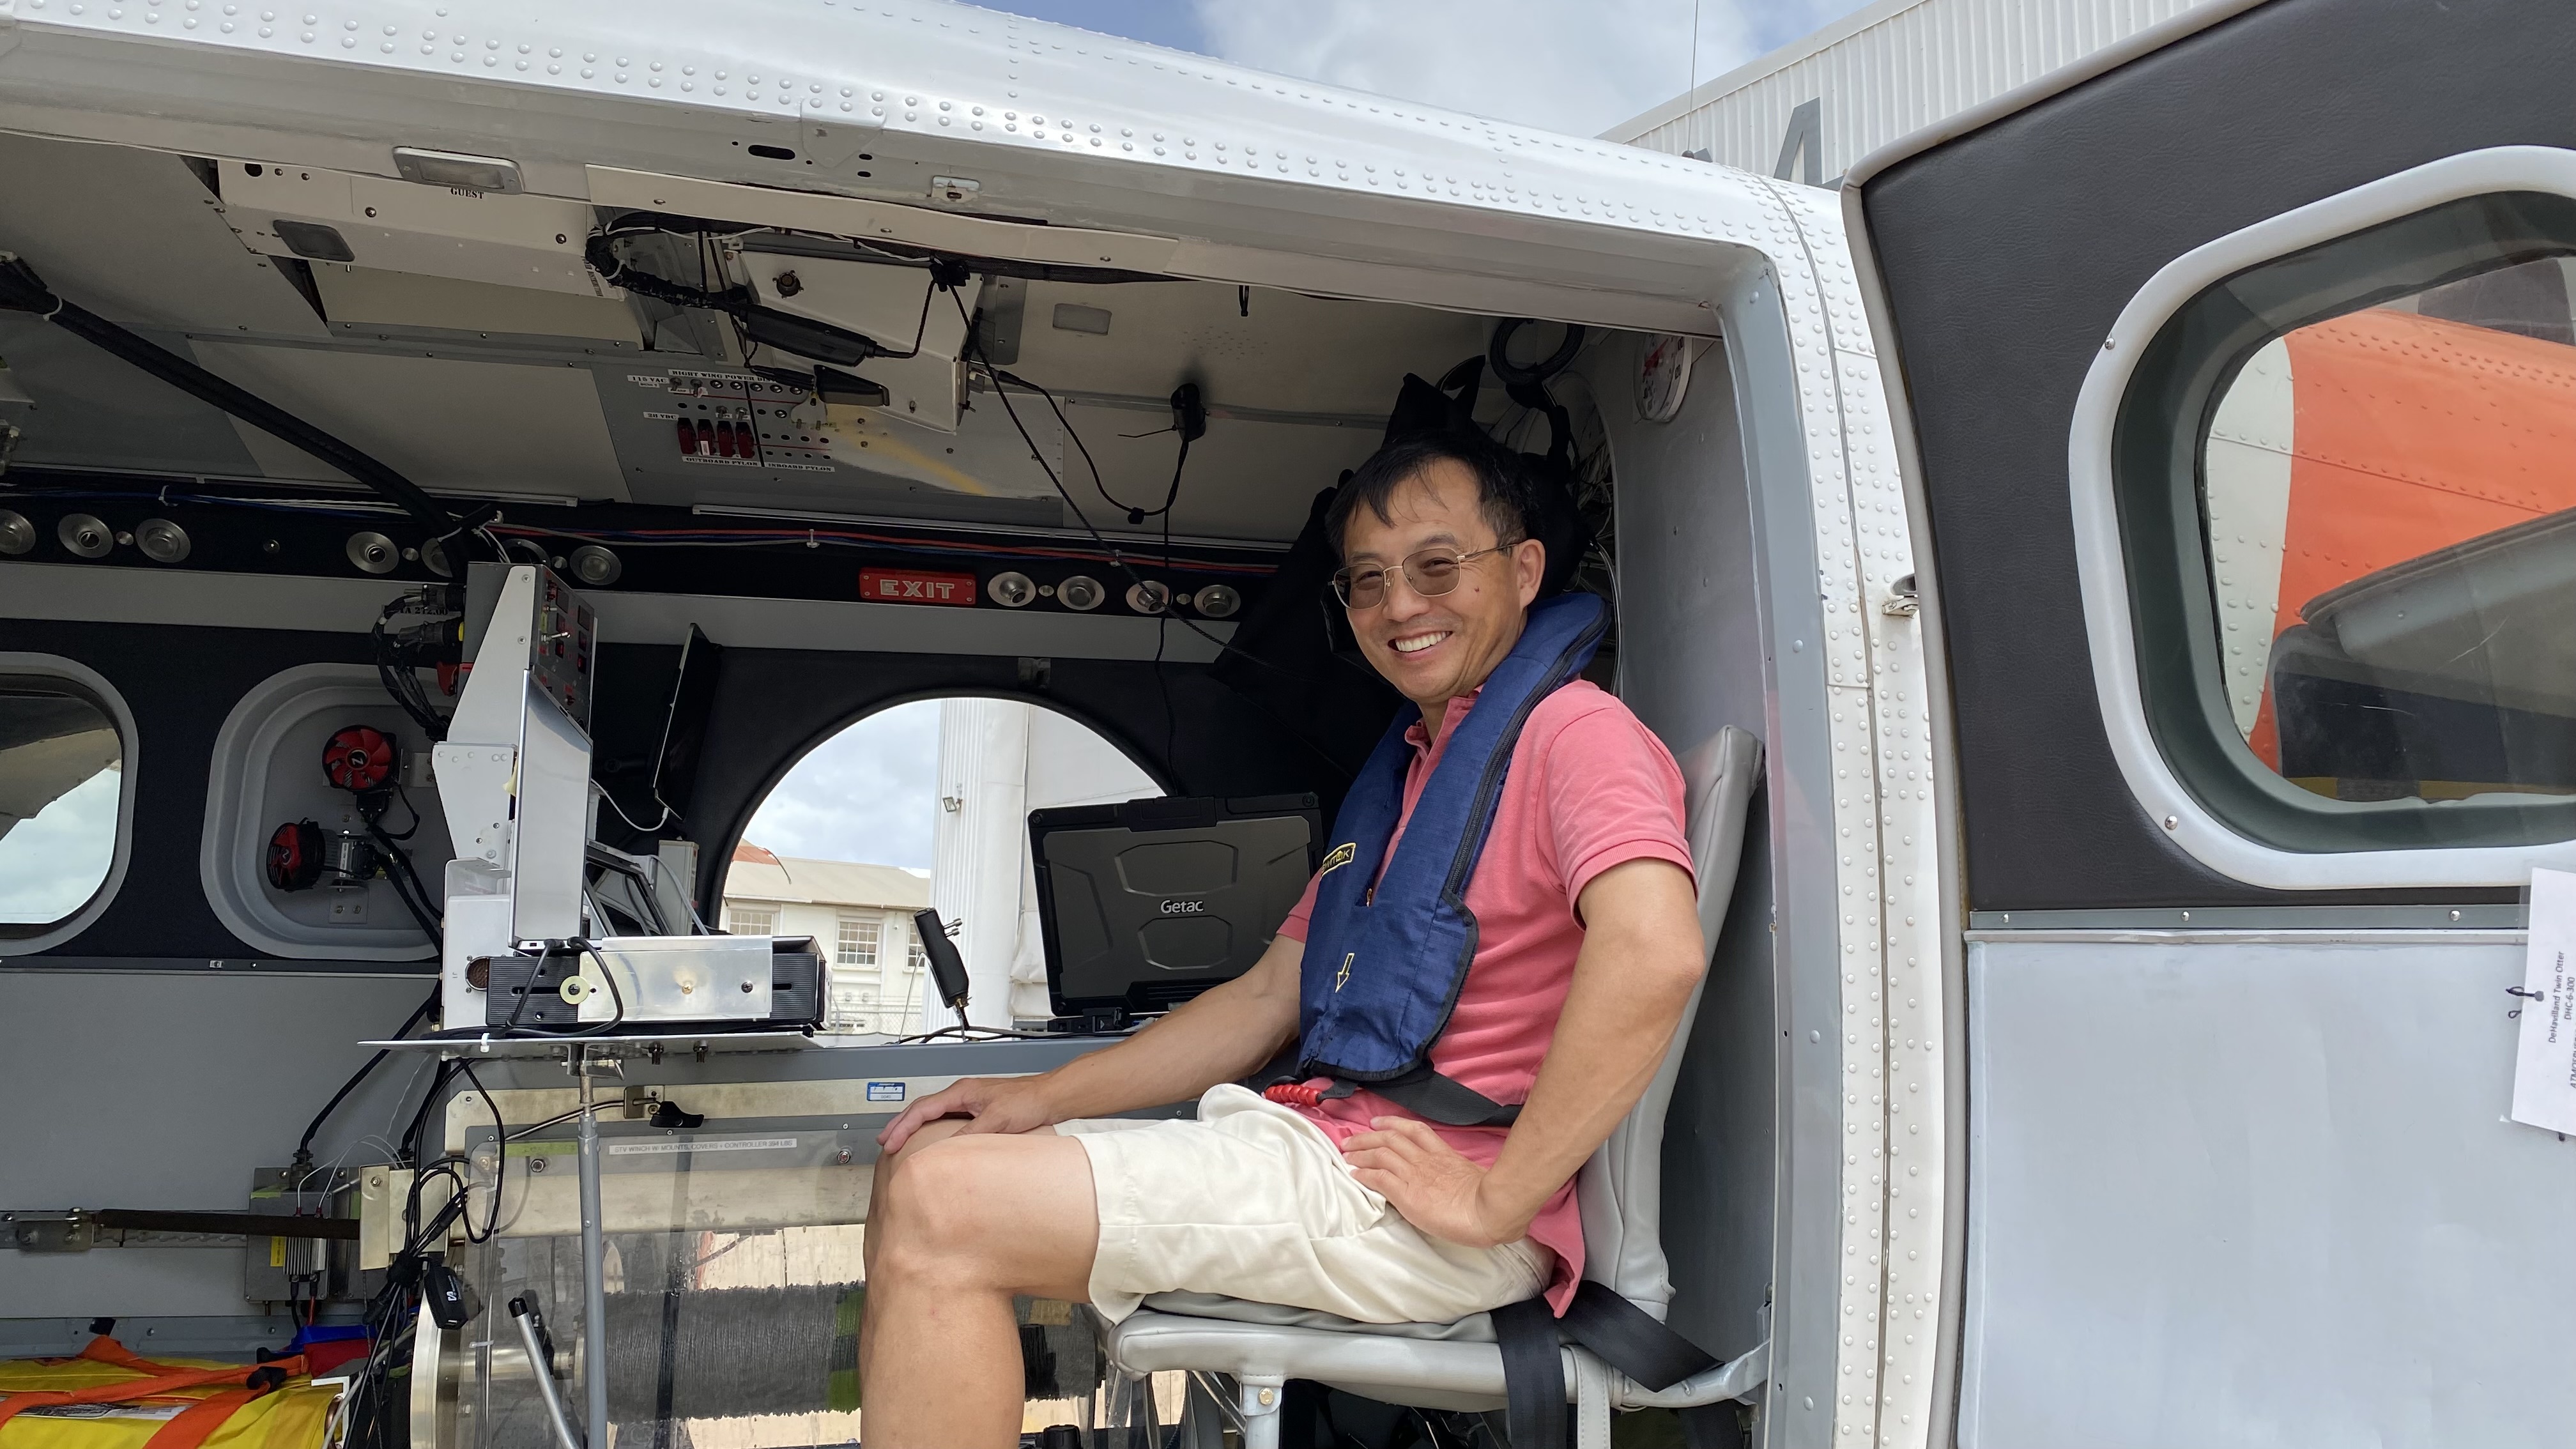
pixel 1439 1062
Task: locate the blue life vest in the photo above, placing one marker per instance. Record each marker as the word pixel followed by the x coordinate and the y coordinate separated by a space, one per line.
pixel 1382 969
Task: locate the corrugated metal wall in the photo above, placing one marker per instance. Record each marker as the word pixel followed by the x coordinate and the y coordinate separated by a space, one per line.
pixel 1885 72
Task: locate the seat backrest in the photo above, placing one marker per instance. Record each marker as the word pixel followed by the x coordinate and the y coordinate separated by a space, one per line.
pixel 1620 1190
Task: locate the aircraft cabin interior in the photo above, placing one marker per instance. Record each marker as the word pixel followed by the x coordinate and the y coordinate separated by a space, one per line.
pixel 417 584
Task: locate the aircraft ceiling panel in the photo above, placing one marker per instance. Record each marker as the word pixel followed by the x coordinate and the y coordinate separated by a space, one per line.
pixel 497 427
pixel 95 410
pixel 1247 478
pixel 135 237
pixel 1279 351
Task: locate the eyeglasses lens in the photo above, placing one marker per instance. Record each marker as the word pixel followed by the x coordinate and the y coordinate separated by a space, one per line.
pixel 1430 574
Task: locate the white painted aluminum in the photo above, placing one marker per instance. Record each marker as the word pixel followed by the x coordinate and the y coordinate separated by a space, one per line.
pixel 1885 72
pixel 1235 176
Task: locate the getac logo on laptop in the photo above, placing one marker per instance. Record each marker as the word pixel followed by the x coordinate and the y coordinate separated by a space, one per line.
pixel 1183 908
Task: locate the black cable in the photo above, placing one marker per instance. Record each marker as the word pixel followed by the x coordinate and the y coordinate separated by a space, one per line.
pixel 501 1157
pixel 22 290
pixel 304 1146
pixel 407 886
pixel 768 326
pixel 1117 558
pixel 408 1146
pixel 614 995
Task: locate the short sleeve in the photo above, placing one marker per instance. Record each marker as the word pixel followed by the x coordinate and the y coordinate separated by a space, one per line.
pixel 1294 928
pixel 1613 795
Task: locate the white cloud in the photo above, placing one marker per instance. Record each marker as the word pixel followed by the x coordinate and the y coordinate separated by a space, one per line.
pixel 52 861
pixel 1579 68
pixel 868 793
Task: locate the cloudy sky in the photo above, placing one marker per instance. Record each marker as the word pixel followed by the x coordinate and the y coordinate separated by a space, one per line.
pixel 865 794
pixel 1570 65
pixel 1575 67
pixel 53 861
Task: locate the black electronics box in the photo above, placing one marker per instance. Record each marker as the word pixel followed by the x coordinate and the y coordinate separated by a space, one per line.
pixel 1147 903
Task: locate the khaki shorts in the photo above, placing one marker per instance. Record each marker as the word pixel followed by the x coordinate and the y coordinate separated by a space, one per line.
pixel 1254 1202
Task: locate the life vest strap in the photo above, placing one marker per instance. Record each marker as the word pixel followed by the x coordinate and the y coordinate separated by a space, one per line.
pixel 1425 1093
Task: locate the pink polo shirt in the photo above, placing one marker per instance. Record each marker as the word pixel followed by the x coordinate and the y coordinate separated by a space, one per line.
pixel 1589 788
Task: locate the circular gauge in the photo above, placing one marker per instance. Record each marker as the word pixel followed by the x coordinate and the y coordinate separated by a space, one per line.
pixel 85 536
pixel 1011 590
pixel 595 566
pixel 1663 378
pixel 161 540
pixel 1082 591
pixel 373 552
pixel 1219 601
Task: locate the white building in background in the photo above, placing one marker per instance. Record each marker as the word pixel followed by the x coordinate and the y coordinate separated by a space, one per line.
pixel 1808 110
pixel 999 760
pixel 859 915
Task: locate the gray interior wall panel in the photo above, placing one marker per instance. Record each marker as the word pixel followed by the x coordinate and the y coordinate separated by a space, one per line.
pixel 164 1092
pixel 1691 663
pixel 2259 1194
pixel 1722 1137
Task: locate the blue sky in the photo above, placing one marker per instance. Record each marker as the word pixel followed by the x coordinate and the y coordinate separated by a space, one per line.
pixel 1571 65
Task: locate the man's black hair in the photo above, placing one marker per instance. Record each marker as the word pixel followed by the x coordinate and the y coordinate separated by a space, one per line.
pixel 1502 484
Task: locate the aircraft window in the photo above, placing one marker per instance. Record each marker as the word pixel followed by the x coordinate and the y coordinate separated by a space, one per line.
pixel 2382 492
pixel 62 782
pixel 922 805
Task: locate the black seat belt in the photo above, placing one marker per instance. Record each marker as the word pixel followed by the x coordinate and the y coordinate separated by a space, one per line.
pixel 1626 1337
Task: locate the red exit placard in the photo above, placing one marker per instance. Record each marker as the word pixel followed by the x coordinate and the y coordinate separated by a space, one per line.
pixel 916 586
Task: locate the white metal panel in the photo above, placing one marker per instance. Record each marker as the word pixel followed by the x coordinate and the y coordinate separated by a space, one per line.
pixel 1886 72
pixel 2248 472
pixel 1883 820
pixel 2259 1193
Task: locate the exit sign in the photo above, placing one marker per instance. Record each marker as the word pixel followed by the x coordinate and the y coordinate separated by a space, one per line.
pixel 916 586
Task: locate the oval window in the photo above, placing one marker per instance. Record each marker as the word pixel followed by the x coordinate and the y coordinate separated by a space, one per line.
pixel 922 805
pixel 2349 503
pixel 62 782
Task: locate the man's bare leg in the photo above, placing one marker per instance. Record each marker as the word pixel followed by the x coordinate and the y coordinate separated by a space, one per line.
pixel 881 1207
pixel 962 1224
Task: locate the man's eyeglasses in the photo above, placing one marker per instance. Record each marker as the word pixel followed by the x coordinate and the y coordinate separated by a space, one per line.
pixel 1430 572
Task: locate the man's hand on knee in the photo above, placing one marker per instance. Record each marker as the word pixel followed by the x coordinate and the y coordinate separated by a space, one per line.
pixel 992 1104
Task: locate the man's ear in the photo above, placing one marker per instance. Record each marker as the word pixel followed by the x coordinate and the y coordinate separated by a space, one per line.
pixel 1529 567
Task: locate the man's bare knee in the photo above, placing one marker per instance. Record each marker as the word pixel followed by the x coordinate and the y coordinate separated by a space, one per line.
pixel 936 1193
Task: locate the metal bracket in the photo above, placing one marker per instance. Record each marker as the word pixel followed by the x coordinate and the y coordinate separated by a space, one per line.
pixel 40 1232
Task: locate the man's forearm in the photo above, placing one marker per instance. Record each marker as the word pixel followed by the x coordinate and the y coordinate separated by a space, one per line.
pixel 1222 1035
pixel 1640 961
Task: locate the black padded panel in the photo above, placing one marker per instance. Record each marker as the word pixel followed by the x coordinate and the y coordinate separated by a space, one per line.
pixel 2008 254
